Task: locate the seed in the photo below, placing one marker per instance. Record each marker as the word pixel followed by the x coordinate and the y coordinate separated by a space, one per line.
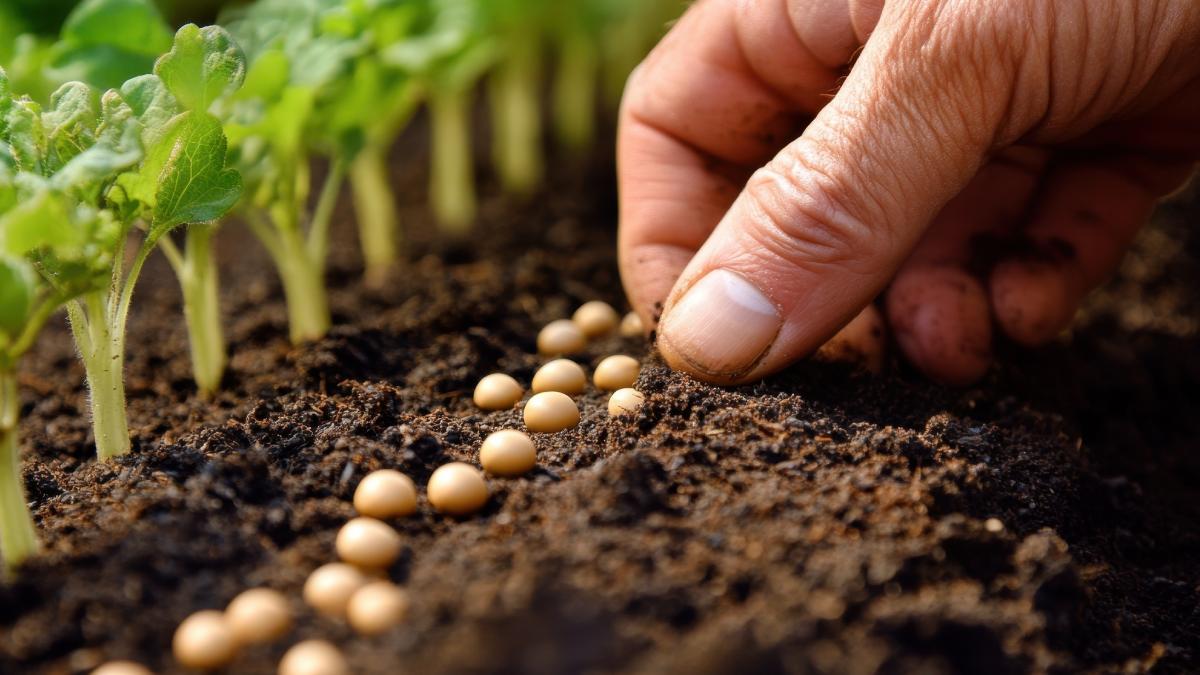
pixel 457 489
pixel 368 543
pixel 507 453
pixel 625 401
pixel 377 607
pixel 204 641
pixel 560 337
pixel 386 493
pixel 993 525
pixel 313 657
pixel 861 343
pixel 122 668
pixel 550 411
pixel 595 318
pixel 330 586
pixel 259 615
pixel 560 375
pixel 616 372
pixel 497 392
pixel 631 325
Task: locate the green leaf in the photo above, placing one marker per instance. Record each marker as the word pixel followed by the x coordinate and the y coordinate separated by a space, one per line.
pixel 18 288
pixel 194 185
pixel 151 104
pixel 116 149
pixel 25 136
pixel 42 221
pixel 105 42
pixel 203 65
pixel 267 77
pixel 69 124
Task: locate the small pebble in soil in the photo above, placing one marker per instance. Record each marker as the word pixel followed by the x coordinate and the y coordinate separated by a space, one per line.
pixel 562 375
pixel 330 586
pixel 368 543
pixel 616 372
pixel 204 641
pixel 550 411
pixel 386 493
pixel 497 392
pixel 507 452
pixel 561 337
pixel 377 607
pixel 313 657
pixel 457 489
pixel 632 326
pixel 122 668
pixel 625 401
pixel 259 615
pixel 596 318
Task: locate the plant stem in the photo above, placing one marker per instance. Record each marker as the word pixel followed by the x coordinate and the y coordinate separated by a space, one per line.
pixel 516 116
pixel 452 187
pixel 303 288
pixel 199 282
pixel 18 539
pixel 575 92
pixel 103 364
pixel 375 206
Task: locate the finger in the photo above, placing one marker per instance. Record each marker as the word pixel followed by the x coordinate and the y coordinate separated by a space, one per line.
pixel 822 228
pixel 937 305
pixel 1078 234
pixel 727 87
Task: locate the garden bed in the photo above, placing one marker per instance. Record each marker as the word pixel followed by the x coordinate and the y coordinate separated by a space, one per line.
pixel 818 522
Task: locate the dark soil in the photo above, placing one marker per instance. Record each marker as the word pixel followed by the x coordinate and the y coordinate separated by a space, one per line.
pixel 818 522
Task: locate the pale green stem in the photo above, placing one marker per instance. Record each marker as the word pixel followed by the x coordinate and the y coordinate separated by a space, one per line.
pixel 303 288
pixel 375 207
pixel 196 270
pixel 18 539
pixel 452 187
pixel 322 216
pixel 575 92
pixel 516 117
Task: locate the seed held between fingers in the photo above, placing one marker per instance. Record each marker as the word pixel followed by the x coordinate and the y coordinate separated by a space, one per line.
pixel 497 392
pixel 330 586
pixel 386 493
pixel 508 452
pixel 313 657
pixel 562 375
pixel 625 401
pixel 550 411
pixel 616 372
pixel 561 337
pixel 259 615
pixel 377 607
pixel 457 489
pixel 204 641
pixel 595 318
pixel 122 668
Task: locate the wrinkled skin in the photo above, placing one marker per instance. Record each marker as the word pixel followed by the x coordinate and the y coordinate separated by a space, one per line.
pixel 984 163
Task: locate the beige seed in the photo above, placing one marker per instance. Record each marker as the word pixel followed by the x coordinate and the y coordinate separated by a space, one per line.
pixel 122 668
pixel 861 343
pixel 313 657
pixel 497 392
pixel 507 453
pixel 550 411
pixel 596 318
pixel 560 375
pixel 330 586
pixel 616 372
pixel 377 607
pixel 625 401
pixel 368 543
pixel 204 641
pixel 561 337
pixel 259 615
pixel 457 489
pixel 385 494
pixel 631 325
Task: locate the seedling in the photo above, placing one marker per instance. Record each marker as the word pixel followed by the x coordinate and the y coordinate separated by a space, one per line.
pixel 550 411
pixel 560 375
pixel 457 489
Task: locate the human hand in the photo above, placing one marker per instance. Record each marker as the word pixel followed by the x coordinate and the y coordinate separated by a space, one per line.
pixel 990 161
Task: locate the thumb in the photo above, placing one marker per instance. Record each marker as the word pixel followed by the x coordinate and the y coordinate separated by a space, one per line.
pixel 819 231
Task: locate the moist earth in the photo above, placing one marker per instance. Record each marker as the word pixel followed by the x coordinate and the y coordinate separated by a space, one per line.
pixel 820 521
